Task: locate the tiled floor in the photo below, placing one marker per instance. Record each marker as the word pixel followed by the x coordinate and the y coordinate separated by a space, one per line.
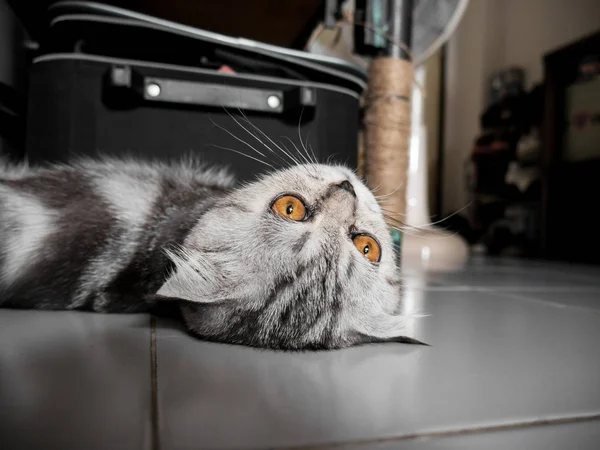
pixel 514 363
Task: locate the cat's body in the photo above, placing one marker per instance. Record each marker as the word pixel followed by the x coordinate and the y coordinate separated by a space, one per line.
pixel 92 236
pixel 108 236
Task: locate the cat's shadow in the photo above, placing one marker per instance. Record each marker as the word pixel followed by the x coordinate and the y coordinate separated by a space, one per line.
pixel 268 397
pixel 173 325
pixel 77 380
pixel 276 397
pixel 170 324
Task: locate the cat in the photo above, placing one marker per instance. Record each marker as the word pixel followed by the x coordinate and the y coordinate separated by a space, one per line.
pixel 299 259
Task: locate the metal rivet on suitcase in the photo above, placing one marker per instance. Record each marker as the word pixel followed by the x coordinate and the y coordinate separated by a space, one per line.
pixel 273 101
pixel 153 89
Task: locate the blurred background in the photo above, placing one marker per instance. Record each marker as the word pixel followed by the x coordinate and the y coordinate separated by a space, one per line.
pixel 511 106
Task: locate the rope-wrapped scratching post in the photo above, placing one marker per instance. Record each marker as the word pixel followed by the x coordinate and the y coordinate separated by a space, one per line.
pixel 387 132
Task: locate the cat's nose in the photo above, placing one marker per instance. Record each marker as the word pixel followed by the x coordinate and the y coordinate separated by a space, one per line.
pixel 347 186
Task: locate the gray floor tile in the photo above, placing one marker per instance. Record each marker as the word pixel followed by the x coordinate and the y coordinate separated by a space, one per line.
pixel 74 381
pixel 494 360
pixel 483 263
pixel 511 279
pixel 509 274
pixel 580 436
pixel 580 299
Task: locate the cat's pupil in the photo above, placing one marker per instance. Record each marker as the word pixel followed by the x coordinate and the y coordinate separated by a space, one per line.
pixel 290 209
pixel 366 249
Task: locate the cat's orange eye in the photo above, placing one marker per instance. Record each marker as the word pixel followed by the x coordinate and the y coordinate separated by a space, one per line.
pixel 368 247
pixel 289 207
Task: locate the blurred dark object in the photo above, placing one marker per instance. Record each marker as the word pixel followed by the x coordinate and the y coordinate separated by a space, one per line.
pixel 571 152
pixel 506 83
pixel 515 113
pixel 12 122
pixel 283 23
pixel 504 168
pixel 459 224
pixel 515 232
pixel 589 67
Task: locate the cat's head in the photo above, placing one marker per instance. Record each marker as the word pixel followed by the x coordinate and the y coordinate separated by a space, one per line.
pixel 300 259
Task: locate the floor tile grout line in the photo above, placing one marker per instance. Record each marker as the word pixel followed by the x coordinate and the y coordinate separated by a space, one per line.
pixel 496 288
pixel 523 297
pixel 450 433
pixel 154 385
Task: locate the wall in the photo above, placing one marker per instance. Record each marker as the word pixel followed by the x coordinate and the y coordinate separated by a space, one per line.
pixel 540 26
pixel 431 116
pixel 493 35
pixel 466 59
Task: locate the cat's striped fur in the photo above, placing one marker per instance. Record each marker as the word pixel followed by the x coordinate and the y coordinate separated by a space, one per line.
pixel 115 236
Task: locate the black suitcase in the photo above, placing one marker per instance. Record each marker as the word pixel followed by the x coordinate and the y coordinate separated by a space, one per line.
pixel 113 82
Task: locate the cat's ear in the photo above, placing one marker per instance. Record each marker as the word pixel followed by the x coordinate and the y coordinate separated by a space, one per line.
pixel 157 298
pixel 383 327
pixel 185 288
pixel 364 339
pixel 194 279
pixel 163 306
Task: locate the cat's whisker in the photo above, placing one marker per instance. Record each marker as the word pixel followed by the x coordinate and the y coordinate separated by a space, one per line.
pixel 451 215
pixel 384 201
pixel 300 137
pixel 404 228
pixel 312 152
pixel 253 135
pixel 399 223
pixel 304 166
pixel 375 189
pixel 309 162
pixel 300 154
pixel 237 138
pixel 271 149
pixel 284 161
pixel 243 154
pixel 405 232
pixel 388 216
pixel 436 222
pixel 390 212
pixel 294 160
pixel 389 194
pixel 444 236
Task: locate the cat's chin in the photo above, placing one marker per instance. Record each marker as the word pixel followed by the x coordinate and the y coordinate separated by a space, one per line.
pixel 212 322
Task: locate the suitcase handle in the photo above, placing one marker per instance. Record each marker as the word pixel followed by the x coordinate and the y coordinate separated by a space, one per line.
pixel 165 90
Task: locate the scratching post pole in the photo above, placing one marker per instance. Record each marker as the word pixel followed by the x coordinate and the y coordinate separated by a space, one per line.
pixel 387 133
pixel 388 114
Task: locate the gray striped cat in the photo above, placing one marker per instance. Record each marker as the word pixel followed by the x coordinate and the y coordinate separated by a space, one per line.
pixel 301 258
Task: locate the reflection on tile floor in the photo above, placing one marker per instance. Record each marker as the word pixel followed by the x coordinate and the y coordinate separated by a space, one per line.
pixel 511 343
pixel 582 435
pixel 73 381
pixel 494 359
